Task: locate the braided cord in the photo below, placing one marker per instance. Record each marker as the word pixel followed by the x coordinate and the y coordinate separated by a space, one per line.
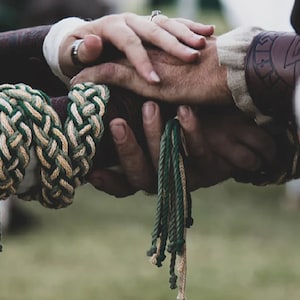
pixel 173 212
pixel 27 120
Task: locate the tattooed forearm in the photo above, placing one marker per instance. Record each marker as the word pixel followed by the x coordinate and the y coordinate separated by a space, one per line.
pixel 272 67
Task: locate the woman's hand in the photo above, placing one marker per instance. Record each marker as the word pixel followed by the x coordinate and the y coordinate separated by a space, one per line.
pixel 127 32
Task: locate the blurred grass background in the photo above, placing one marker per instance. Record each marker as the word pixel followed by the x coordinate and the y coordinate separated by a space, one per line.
pixel 243 246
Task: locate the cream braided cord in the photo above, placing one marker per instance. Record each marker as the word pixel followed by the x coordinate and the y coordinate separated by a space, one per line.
pixel 27 120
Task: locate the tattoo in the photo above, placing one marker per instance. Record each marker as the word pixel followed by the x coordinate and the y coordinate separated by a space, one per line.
pixel 272 67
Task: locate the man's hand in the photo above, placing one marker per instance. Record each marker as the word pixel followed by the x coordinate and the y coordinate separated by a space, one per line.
pixel 218 145
pixel 201 82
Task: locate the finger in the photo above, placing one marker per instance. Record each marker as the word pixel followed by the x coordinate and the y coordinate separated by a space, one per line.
pixel 154 34
pixel 119 75
pixel 181 31
pixel 110 182
pixel 202 29
pixel 194 139
pixel 139 171
pixel 153 128
pixel 260 142
pixel 240 156
pixel 131 45
pixel 90 50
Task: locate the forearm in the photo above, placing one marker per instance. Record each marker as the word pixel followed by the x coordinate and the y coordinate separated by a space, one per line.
pixel 271 70
pixel 22 60
pixel 22 43
pixel 262 83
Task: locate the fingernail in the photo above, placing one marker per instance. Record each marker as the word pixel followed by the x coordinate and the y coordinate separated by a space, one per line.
pixel 154 77
pixel 198 37
pixel 73 80
pixel 148 110
pixel 118 132
pixel 191 51
pixel 183 112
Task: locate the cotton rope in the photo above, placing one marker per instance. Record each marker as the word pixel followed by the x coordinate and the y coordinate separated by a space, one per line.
pixel 65 154
pixel 27 120
pixel 173 214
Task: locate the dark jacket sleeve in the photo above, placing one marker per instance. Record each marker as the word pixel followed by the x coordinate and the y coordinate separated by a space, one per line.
pixel 22 60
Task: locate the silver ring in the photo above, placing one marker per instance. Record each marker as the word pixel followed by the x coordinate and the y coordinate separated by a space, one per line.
pixel 155 13
pixel 74 52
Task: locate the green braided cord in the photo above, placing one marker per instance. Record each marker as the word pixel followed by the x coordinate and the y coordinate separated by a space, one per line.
pixel 178 188
pixel 84 126
pixel 28 120
pixel 165 187
pixel 173 277
pixel 173 211
pixel 161 192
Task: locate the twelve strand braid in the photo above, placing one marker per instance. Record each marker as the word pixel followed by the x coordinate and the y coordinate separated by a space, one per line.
pixel 65 155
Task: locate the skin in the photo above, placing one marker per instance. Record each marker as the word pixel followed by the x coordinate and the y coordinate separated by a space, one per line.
pixel 218 145
pixel 201 82
pixel 178 37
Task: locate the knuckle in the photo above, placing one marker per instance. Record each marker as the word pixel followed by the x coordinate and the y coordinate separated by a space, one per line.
pixel 109 69
pixel 161 20
pixel 127 15
pixel 131 40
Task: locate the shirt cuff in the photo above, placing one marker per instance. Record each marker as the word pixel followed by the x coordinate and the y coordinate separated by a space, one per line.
pixel 53 41
pixel 232 48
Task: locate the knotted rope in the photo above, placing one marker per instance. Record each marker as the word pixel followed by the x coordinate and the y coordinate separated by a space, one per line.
pixel 27 120
pixel 173 214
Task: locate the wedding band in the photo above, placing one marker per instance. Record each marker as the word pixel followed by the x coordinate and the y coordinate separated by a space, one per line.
pixel 74 52
pixel 155 13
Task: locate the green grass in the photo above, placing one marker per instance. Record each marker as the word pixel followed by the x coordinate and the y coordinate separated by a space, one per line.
pixel 243 245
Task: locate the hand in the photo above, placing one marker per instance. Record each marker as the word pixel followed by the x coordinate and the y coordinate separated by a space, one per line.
pixel 179 37
pixel 136 172
pixel 218 144
pixel 222 143
pixel 201 82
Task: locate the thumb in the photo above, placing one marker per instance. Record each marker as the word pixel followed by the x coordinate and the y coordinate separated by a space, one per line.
pixel 90 50
pixel 111 73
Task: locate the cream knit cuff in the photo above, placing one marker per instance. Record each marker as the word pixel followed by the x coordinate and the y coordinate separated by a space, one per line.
pixel 53 41
pixel 232 48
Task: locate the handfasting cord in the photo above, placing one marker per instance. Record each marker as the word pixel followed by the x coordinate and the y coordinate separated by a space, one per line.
pixel 65 155
pixel 173 214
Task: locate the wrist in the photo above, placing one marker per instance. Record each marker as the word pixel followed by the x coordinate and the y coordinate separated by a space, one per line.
pixel 57 46
pixel 232 48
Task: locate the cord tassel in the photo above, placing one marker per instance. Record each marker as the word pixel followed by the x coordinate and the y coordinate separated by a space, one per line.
pixel 173 213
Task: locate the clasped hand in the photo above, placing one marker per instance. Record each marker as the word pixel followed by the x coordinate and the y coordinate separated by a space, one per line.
pixel 219 141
